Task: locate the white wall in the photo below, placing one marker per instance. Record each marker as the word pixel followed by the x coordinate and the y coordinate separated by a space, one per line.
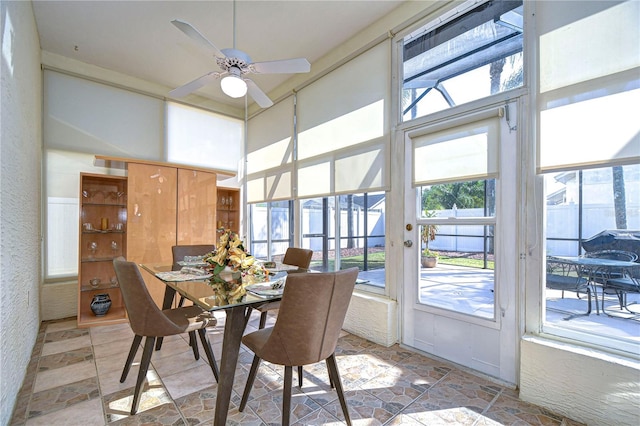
pixel 586 385
pixel 20 168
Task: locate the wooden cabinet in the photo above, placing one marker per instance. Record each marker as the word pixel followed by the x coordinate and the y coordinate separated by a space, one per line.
pixel 228 209
pixel 196 207
pixel 102 237
pixel 166 205
pixel 152 219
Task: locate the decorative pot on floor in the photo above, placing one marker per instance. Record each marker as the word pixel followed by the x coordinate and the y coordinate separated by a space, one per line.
pixel 429 262
pixel 100 304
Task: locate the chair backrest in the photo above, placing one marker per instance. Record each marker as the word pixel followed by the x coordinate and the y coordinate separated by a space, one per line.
pixel 145 318
pixel 613 255
pixel 298 257
pixel 310 318
pixel 180 251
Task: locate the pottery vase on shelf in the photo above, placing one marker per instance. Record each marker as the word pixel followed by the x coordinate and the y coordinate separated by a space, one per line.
pixel 100 304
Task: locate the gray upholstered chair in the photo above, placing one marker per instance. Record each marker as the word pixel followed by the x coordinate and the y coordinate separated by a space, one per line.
pixel 180 251
pixel 294 256
pixel 311 316
pixel 147 320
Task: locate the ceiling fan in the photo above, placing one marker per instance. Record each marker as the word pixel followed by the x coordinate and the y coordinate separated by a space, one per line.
pixel 235 64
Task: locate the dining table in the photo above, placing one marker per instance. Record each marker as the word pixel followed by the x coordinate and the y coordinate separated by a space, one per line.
pixel 195 287
pixel 595 268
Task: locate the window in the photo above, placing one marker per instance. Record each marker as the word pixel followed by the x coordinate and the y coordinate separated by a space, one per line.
pixel 587 211
pixel 588 154
pixel 271 229
pixel 474 55
pixel 196 137
pixel 457 226
pixel 343 231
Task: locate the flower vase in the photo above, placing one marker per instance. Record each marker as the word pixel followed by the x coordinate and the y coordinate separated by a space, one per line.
pixel 228 286
pixel 100 304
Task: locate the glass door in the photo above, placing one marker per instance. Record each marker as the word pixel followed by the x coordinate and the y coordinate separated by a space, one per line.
pixel 459 292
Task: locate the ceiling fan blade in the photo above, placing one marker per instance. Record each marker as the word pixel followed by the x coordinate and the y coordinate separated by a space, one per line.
pixel 194 85
pixel 196 36
pixel 257 94
pixel 285 66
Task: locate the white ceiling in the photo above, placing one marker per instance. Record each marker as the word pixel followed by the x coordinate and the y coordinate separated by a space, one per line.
pixel 136 38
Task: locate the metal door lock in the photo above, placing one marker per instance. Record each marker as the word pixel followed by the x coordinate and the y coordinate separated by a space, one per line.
pixel 408 243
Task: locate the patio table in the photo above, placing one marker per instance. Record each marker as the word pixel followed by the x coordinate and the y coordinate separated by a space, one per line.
pixel 596 267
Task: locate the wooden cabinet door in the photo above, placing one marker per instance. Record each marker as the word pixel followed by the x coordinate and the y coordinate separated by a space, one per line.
pixel 197 198
pixel 151 208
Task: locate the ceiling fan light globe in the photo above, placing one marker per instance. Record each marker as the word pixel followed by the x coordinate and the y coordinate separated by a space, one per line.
pixel 233 86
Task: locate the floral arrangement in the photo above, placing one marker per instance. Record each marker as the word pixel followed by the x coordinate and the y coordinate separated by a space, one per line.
pixel 231 265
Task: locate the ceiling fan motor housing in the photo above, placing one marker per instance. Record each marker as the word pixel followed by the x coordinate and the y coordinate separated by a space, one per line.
pixel 234 59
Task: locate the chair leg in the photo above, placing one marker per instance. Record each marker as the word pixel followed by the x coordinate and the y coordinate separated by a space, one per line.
pixel 252 377
pixel 332 366
pixel 207 349
pixel 142 372
pixel 286 395
pixel 181 302
pixel 194 344
pixel 300 376
pixel 158 343
pixel 132 354
pixel 263 319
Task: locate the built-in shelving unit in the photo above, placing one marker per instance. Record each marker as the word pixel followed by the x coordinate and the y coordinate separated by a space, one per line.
pixel 102 230
pixel 228 209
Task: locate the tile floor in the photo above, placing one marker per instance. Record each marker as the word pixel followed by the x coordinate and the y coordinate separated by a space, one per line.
pixel 73 379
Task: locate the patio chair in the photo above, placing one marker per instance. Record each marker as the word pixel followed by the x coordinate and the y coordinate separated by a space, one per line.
pixel 566 276
pixel 621 287
pixel 306 331
pixel 604 275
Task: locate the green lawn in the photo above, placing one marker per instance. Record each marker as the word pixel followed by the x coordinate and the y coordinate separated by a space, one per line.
pixel 376 261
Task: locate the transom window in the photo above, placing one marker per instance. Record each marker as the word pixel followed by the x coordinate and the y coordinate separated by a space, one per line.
pixel 474 55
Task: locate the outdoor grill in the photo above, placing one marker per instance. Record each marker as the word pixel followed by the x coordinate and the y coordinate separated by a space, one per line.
pixel 614 239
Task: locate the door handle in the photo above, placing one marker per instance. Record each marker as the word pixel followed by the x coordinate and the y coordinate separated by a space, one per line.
pixel 408 243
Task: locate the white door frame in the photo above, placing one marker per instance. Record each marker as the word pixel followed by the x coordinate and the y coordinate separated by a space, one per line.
pixel 488 346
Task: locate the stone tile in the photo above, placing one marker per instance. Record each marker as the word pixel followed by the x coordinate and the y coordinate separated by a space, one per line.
pixel 198 407
pixel 455 398
pixel 110 381
pixel 400 389
pixel 427 368
pixel 66 324
pixel 459 416
pixel 112 333
pixel 118 405
pixel 364 408
pixel 57 336
pixel 59 346
pixel 165 414
pixel 61 397
pixel 189 381
pixel 507 410
pixel 87 413
pixel 63 359
pixel 119 348
pixel 319 417
pixel 64 375
pixel 269 406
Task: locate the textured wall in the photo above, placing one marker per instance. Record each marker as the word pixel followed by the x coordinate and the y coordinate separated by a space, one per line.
pixel 20 196
pixel 372 317
pixel 585 385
